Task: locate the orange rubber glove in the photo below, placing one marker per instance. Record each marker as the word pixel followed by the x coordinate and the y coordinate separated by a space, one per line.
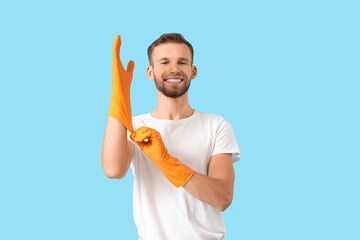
pixel 120 107
pixel 175 171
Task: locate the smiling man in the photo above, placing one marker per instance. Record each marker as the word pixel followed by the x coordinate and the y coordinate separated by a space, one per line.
pixel 181 158
pixel 177 81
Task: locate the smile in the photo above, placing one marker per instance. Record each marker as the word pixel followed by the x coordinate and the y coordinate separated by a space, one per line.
pixel 173 80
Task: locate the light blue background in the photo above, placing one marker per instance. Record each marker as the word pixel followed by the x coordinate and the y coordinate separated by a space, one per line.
pixel 285 74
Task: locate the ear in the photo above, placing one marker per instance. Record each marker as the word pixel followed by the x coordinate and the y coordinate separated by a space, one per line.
pixel 150 73
pixel 193 72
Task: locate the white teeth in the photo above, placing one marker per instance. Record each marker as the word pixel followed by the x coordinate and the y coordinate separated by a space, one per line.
pixel 174 80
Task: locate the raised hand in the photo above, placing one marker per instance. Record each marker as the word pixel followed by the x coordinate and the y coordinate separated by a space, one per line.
pixel 120 106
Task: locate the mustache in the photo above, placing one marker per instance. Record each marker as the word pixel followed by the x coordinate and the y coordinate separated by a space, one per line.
pixel 174 76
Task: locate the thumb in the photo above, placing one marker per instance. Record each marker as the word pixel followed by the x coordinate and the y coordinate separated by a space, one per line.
pixel 130 66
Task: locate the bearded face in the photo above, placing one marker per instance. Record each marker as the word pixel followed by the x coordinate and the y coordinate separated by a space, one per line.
pixel 172 69
pixel 173 86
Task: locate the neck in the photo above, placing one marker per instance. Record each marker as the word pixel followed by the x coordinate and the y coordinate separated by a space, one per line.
pixel 172 108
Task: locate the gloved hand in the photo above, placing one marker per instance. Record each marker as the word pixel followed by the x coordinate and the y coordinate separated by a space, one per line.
pixel 120 107
pixel 175 171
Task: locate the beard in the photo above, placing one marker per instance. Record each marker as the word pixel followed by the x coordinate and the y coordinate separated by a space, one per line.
pixel 172 91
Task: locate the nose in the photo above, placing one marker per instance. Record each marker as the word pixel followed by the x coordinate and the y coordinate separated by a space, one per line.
pixel 174 68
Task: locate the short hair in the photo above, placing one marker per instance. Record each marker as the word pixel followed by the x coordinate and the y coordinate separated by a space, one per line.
pixel 169 38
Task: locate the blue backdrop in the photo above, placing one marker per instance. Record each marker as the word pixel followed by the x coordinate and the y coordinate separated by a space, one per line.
pixel 285 74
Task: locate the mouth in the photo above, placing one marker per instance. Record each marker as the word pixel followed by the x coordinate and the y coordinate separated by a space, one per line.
pixel 173 79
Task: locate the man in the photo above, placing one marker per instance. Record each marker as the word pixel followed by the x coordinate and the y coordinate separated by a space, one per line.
pixel 181 158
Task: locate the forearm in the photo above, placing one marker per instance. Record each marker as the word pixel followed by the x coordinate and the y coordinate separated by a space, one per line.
pixel 115 155
pixel 215 192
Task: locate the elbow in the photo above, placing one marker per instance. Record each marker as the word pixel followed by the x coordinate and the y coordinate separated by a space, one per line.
pixel 114 175
pixel 225 203
pixel 114 172
pixel 224 206
pixel 111 171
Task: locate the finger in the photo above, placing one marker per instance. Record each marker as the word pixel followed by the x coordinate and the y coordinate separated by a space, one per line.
pixel 141 134
pixel 116 47
pixel 130 66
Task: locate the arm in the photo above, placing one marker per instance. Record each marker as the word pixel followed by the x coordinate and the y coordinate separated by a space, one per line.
pixel 117 151
pixel 216 189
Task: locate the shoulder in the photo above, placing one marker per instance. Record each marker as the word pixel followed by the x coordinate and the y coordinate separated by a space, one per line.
pixel 214 118
pixel 218 124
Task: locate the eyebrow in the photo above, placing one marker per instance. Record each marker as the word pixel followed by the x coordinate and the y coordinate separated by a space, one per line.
pixel 181 59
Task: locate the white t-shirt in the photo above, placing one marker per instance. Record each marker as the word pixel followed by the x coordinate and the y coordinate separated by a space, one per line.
pixel 162 211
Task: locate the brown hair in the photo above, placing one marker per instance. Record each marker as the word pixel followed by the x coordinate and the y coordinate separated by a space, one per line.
pixel 167 38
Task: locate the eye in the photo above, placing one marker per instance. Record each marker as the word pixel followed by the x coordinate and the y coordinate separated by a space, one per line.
pixel 164 63
pixel 182 62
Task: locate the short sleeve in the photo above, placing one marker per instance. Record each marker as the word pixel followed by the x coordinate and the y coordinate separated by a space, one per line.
pixel 225 141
